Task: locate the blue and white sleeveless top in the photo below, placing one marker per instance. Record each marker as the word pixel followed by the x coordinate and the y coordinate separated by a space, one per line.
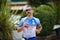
pixel 32 24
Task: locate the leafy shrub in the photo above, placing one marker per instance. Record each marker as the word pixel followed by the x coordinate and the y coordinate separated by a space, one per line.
pixel 36 3
pixel 47 16
pixel 5 27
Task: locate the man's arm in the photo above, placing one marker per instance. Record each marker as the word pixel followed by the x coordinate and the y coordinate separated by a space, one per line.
pixel 39 27
pixel 21 28
pixel 38 30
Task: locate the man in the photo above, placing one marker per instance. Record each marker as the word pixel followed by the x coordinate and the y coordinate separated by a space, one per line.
pixel 29 24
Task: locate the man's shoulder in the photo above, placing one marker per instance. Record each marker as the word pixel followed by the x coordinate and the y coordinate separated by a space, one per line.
pixel 35 18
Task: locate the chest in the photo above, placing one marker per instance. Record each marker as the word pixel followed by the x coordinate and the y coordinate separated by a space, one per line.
pixel 30 22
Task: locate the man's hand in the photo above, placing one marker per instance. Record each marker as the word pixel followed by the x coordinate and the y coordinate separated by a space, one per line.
pixel 37 31
pixel 25 24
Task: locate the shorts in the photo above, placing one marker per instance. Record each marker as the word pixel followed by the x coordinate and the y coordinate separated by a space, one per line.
pixel 33 38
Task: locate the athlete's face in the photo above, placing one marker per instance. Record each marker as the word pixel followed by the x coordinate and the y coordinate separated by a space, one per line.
pixel 29 11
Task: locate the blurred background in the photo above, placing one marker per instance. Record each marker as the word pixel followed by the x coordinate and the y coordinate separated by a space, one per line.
pixel 11 12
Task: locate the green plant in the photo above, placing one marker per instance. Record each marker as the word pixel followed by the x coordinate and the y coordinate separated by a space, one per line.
pixel 47 16
pixel 14 19
pixel 5 27
pixel 57 4
pixel 23 14
pixel 36 3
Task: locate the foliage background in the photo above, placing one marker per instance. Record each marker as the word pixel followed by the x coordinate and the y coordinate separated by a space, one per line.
pixel 57 4
pixel 36 3
pixel 47 16
pixel 5 27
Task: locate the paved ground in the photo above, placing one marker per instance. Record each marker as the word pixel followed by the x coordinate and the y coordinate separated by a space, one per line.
pixel 17 35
